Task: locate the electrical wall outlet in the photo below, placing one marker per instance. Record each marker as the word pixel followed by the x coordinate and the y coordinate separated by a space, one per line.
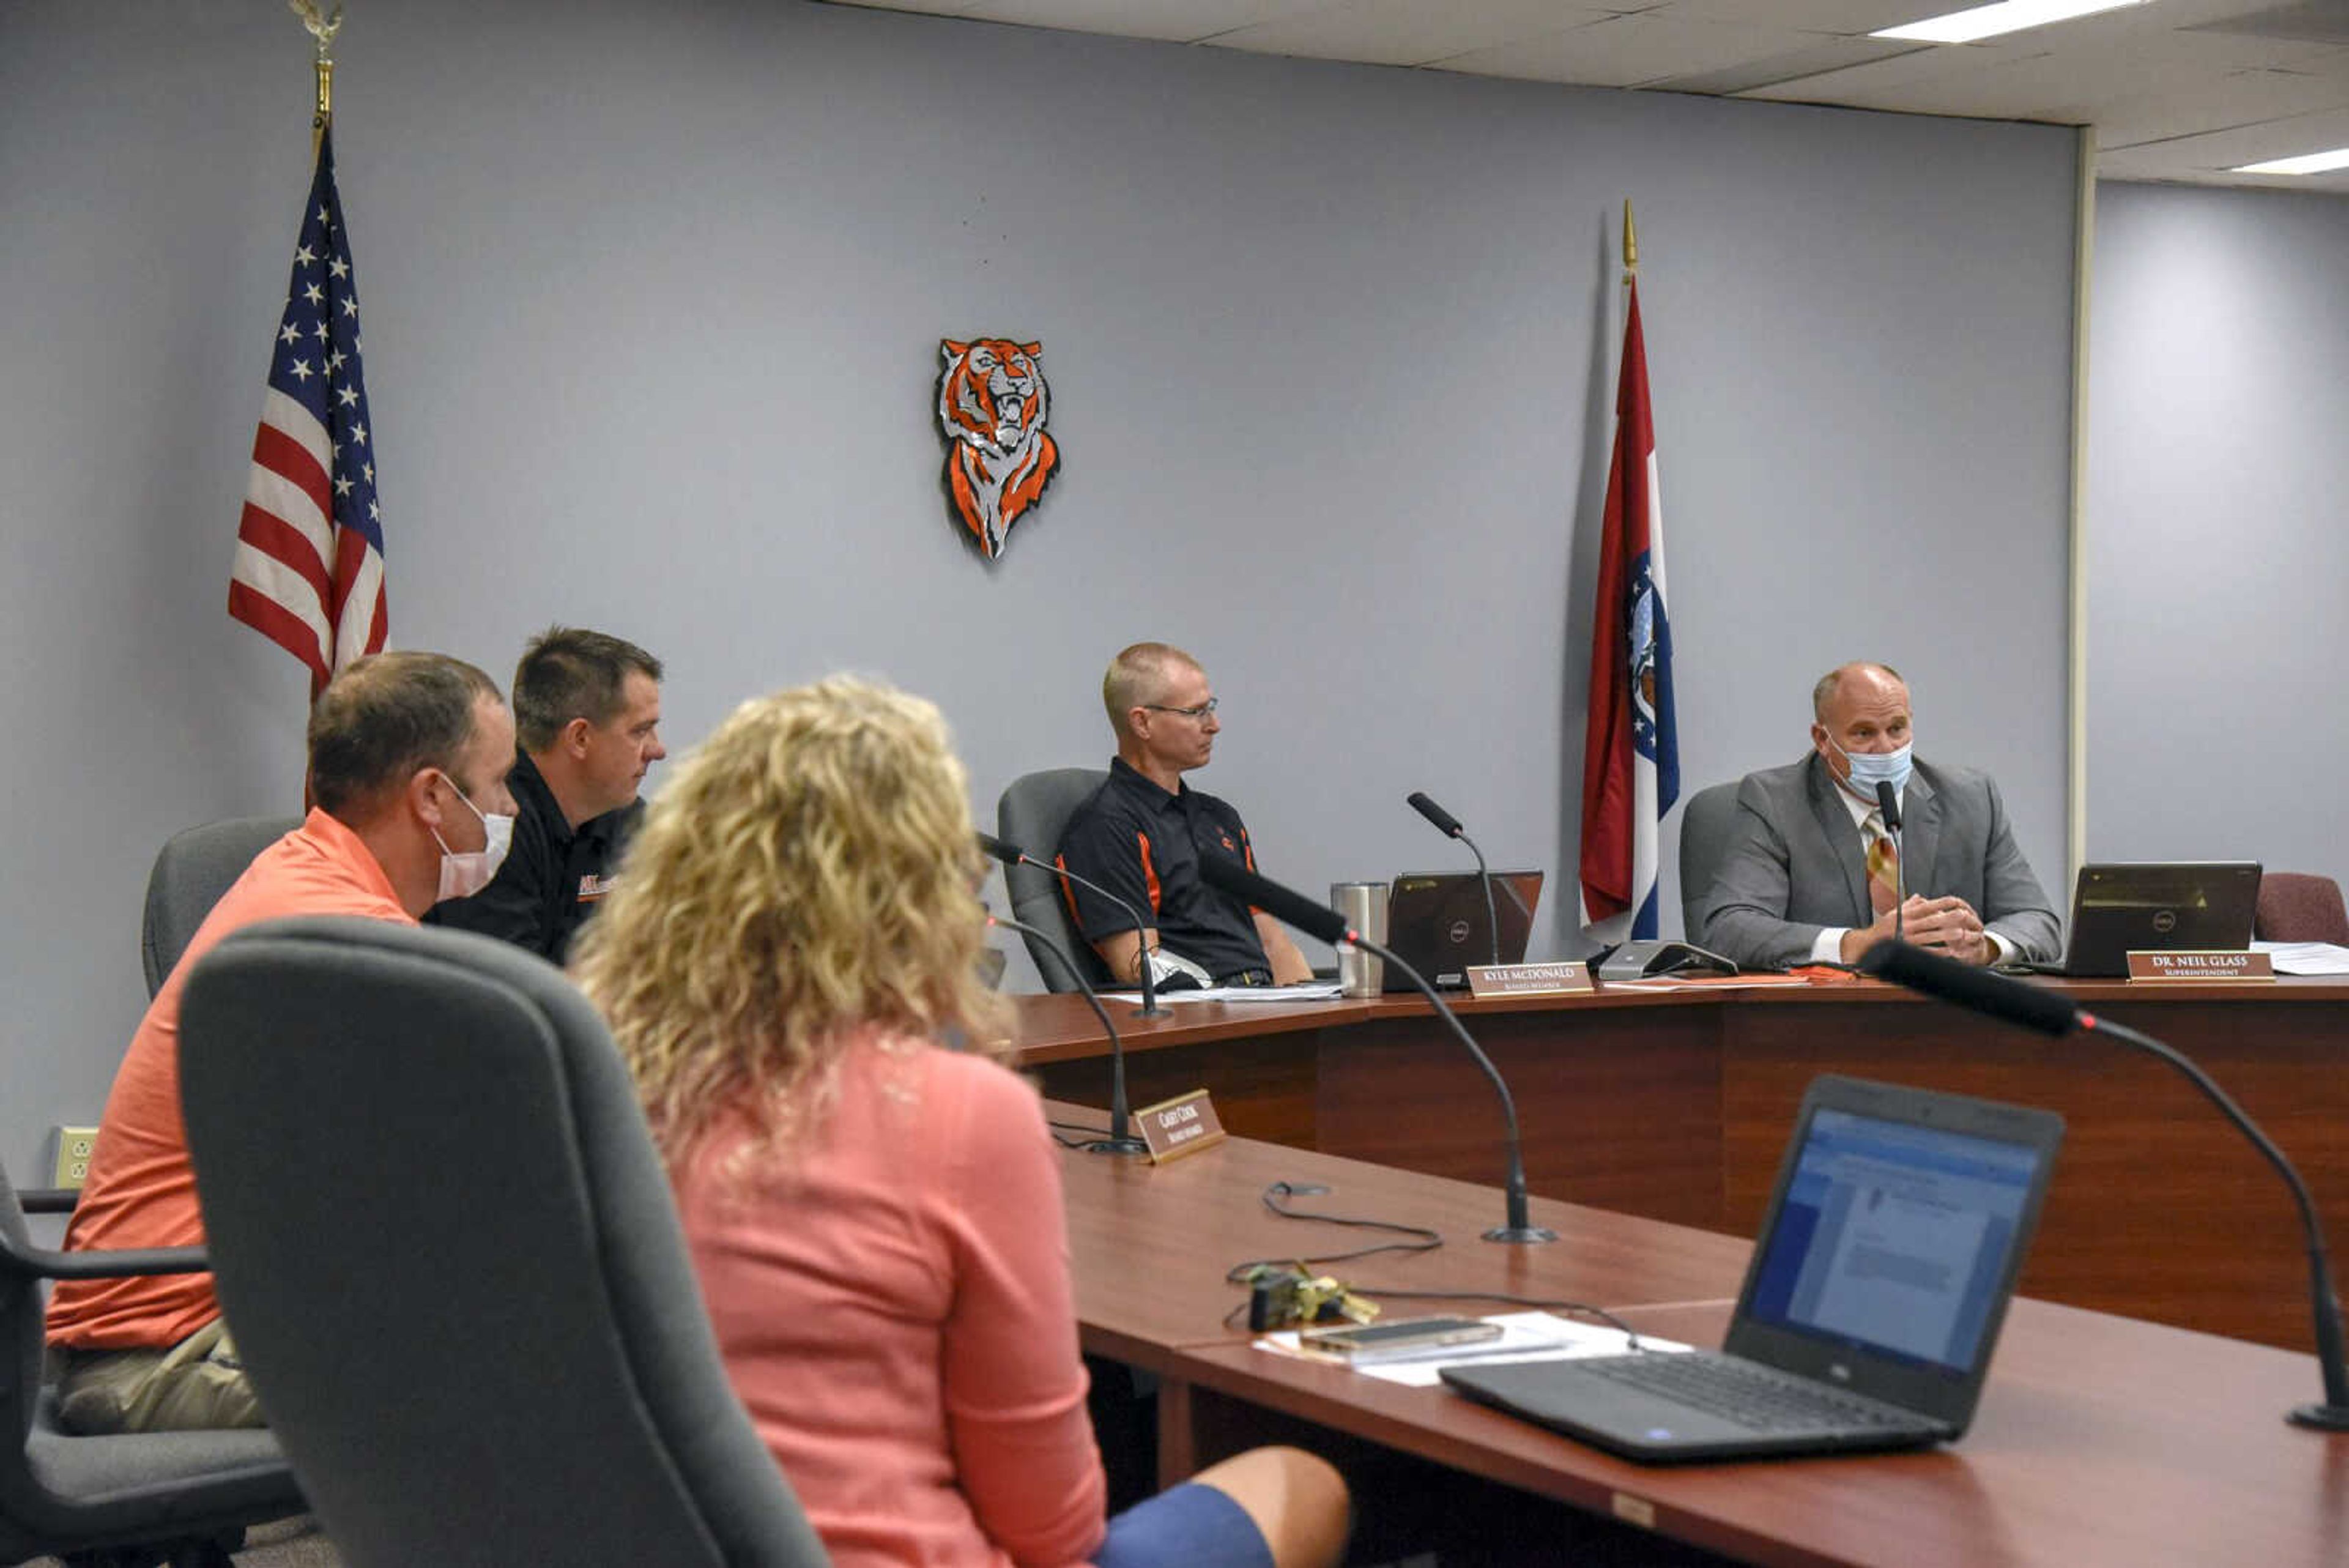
pixel 74 1146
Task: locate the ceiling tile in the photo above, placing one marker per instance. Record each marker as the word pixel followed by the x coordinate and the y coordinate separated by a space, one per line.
pixel 922 7
pixel 1825 55
pixel 2068 87
pixel 1410 32
pixel 2325 21
pixel 1175 21
pixel 2225 13
pixel 2154 32
pixel 1934 62
pixel 1850 19
pixel 2233 99
pixel 2208 158
pixel 1627 51
pixel 2333 184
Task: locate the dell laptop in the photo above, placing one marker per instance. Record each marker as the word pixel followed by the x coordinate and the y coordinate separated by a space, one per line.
pixel 1436 923
pixel 2152 906
pixel 1869 1311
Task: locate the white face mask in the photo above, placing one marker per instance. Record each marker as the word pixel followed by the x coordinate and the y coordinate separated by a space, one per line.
pixel 462 876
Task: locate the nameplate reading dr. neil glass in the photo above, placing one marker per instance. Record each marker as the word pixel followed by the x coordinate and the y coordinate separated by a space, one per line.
pixel 1528 979
pixel 1184 1124
pixel 2222 964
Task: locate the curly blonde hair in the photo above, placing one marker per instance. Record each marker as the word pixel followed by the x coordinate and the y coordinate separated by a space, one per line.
pixel 810 868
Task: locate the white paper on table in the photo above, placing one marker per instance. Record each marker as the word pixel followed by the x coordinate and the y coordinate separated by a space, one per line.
pixel 1308 991
pixel 1525 1336
pixel 2305 957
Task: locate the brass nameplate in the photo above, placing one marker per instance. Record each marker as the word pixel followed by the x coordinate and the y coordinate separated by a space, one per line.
pixel 1184 1124
pixel 2219 964
pixel 1557 979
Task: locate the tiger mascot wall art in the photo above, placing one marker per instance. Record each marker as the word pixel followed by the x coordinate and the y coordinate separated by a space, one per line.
pixel 991 409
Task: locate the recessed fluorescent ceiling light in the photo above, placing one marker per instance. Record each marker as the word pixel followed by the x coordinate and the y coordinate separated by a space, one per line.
pixel 1989 21
pixel 2306 163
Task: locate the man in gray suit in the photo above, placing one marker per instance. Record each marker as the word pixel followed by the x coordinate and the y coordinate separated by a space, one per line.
pixel 1809 873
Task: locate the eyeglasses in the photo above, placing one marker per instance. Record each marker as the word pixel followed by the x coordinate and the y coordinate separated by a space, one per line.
pixel 1201 711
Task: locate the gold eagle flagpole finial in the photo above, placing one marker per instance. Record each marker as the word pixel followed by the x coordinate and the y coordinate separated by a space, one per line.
pixel 1631 243
pixel 323 28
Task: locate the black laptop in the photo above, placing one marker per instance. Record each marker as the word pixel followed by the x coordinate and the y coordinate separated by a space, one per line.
pixel 1870 1308
pixel 2155 906
pixel 1436 923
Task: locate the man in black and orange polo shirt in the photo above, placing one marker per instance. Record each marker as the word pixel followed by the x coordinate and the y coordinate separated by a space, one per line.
pixel 1144 829
pixel 587 712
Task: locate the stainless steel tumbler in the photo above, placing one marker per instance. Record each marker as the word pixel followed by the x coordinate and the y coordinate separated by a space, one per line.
pixel 1364 907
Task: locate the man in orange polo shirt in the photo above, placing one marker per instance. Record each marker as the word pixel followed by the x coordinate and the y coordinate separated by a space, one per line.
pixel 408 754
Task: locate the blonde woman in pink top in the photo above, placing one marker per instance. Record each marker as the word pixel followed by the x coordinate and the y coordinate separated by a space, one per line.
pixel 876 1218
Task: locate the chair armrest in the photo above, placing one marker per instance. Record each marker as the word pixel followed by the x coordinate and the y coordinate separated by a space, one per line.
pixel 39 1262
pixel 48 1199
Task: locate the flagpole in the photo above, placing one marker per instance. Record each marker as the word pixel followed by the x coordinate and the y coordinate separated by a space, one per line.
pixel 1630 775
pixel 322 29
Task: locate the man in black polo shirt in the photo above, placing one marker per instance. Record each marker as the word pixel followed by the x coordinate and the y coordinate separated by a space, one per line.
pixel 1144 829
pixel 586 726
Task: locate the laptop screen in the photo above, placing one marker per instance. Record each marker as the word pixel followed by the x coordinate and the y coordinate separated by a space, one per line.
pixel 2152 906
pixel 1895 1238
pixel 1436 922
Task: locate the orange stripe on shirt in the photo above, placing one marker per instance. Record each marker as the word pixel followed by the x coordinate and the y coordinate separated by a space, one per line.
pixel 1069 891
pixel 1149 872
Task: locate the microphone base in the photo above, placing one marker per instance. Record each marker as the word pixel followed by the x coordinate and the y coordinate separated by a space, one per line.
pixel 1155 1010
pixel 2322 1417
pixel 1521 1235
pixel 1117 1146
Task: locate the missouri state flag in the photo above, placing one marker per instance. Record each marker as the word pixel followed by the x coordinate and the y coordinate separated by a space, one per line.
pixel 308 573
pixel 1630 763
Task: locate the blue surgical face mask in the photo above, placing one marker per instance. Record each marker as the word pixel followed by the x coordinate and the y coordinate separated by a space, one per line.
pixel 1869 769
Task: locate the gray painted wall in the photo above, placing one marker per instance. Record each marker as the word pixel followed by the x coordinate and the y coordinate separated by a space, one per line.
pixel 653 299
pixel 2219 532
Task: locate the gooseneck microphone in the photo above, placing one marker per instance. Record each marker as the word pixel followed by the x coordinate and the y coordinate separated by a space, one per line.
pixel 1887 801
pixel 1120 1138
pixel 1982 990
pixel 1444 822
pixel 1314 919
pixel 995 848
pixel 2036 1007
pixel 1449 825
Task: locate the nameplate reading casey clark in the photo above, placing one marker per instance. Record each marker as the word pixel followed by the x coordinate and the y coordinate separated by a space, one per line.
pixel 1184 1124
pixel 1528 979
pixel 2222 964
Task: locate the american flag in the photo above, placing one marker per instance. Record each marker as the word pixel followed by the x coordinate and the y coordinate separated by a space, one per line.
pixel 309 549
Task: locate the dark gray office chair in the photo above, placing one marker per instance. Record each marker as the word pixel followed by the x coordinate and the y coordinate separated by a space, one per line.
pixel 192 871
pixel 449 1257
pixel 1705 823
pixel 185 1496
pixel 1033 812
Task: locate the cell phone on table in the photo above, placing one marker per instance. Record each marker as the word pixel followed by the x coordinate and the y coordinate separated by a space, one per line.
pixel 1365 1342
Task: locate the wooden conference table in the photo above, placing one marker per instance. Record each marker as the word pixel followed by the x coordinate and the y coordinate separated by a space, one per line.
pixel 2099 1440
pixel 1674 1106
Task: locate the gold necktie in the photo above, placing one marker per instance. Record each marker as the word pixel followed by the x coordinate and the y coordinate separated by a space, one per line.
pixel 1883 864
